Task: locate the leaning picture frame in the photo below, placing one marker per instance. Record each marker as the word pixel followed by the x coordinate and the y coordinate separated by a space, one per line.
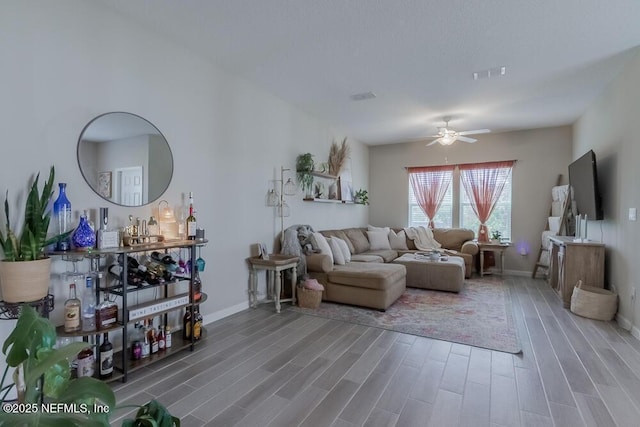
pixel 262 251
pixel 104 184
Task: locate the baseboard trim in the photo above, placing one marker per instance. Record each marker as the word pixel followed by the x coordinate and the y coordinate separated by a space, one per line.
pixel 520 273
pixel 221 314
pixel 624 323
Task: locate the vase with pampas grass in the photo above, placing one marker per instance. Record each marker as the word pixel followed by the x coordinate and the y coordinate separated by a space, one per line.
pixel 338 155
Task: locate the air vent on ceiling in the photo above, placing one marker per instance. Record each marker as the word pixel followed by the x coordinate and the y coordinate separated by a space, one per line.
pixel 362 96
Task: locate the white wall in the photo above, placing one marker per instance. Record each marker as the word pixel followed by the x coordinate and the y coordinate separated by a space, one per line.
pixel 65 62
pixel 541 154
pixel 609 128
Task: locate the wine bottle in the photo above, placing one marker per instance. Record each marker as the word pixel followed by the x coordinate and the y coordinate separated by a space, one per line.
pixel 72 311
pixel 186 324
pixel 146 345
pixel 197 323
pixel 161 338
pixel 85 363
pixel 167 337
pixel 106 358
pixel 191 220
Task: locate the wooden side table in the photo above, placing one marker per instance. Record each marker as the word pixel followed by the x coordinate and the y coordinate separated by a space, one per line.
pixel 274 266
pixel 495 248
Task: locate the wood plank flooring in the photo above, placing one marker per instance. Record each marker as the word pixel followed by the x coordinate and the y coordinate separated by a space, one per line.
pixel 259 368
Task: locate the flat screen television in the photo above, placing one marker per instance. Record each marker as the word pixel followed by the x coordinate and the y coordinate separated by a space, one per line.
pixel 583 178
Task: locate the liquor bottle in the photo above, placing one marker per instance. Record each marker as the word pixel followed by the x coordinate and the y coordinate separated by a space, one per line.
pixel 191 220
pixel 106 358
pixel 162 342
pixel 146 345
pixel 167 337
pixel 85 363
pixel 197 323
pixel 197 285
pixel 182 232
pixel 136 342
pixel 106 313
pixel 186 324
pixel 62 217
pixel 89 306
pixel 154 342
pixel 72 311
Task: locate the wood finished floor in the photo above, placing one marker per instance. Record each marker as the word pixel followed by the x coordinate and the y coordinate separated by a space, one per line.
pixel 258 368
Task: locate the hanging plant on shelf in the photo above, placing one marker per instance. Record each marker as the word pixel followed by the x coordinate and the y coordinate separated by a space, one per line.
pixel 304 167
pixel 338 155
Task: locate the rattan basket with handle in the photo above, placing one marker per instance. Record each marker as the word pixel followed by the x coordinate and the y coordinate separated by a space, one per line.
pixel 308 298
pixel 594 303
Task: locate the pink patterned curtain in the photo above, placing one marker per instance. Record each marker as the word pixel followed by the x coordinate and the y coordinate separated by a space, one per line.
pixel 429 184
pixel 483 183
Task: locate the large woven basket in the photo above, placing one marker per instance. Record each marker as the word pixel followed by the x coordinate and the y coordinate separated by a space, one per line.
pixel 594 303
pixel 308 298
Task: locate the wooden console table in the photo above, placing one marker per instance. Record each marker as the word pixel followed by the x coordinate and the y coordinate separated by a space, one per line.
pixel 274 266
pixel 572 261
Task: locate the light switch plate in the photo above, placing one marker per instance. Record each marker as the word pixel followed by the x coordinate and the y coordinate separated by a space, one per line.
pixel 632 214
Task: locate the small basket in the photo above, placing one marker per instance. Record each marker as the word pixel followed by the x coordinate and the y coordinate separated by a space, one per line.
pixel 594 303
pixel 308 298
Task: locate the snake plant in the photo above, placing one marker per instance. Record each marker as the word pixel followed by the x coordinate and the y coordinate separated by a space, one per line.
pixel 29 245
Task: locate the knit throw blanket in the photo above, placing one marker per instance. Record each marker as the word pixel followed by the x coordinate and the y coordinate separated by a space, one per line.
pixel 291 245
pixel 423 238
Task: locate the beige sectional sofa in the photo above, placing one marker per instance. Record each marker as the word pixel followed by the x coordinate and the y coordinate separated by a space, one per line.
pixel 370 279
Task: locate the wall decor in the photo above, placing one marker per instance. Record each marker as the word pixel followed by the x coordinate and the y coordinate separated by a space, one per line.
pixel 104 184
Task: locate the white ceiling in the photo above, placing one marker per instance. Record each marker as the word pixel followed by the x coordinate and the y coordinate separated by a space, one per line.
pixel 417 56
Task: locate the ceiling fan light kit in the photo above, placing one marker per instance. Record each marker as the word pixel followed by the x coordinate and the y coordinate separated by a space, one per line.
pixel 448 136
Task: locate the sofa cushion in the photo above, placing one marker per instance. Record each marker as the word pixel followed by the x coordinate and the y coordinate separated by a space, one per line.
pixel 378 240
pixel 341 235
pixel 366 257
pixel 358 240
pixel 453 238
pixel 387 255
pixel 323 245
pixel 398 241
pixel 346 253
pixel 338 257
pixel 364 275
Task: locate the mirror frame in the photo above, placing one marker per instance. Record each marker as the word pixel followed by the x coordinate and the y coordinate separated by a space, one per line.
pixel 95 190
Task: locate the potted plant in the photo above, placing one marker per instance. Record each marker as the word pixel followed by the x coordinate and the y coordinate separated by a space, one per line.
pixel 42 374
pixel 496 236
pixel 361 197
pixel 304 167
pixel 24 273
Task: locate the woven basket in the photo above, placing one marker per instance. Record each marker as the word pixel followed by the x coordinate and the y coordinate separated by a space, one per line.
pixel 308 298
pixel 594 303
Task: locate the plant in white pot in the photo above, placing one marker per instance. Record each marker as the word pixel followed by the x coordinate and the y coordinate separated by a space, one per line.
pixel 24 273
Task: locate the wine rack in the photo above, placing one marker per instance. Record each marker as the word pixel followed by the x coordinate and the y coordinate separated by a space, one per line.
pixel 128 313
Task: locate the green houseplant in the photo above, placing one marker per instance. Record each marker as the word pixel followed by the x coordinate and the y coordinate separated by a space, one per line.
pixel 25 260
pixel 361 197
pixel 304 167
pixel 42 374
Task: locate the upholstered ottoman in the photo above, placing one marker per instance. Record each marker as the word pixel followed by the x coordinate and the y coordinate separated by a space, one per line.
pixel 442 275
pixel 366 284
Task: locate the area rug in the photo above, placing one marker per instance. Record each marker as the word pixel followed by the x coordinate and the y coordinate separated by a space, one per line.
pixel 481 315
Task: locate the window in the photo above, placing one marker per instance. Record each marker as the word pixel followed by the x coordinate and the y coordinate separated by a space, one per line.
pixel 455 200
pixel 444 217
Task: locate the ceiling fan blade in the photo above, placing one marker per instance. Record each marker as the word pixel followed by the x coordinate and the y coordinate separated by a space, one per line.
pixel 474 132
pixel 466 139
pixel 433 142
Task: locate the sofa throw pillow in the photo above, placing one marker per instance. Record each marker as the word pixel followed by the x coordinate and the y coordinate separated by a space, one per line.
pixel 358 240
pixel 398 241
pixel 379 240
pixel 338 258
pixel 372 228
pixel 323 245
pixel 344 248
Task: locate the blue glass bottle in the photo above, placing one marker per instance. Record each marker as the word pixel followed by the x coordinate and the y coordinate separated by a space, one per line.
pixel 84 237
pixel 62 216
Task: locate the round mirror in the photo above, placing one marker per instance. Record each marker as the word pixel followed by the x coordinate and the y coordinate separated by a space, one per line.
pixel 125 159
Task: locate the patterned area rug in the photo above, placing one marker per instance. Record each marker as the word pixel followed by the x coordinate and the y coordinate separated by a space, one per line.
pixel 481 315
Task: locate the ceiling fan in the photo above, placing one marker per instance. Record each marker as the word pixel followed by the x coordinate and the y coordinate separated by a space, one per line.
pixel 448 136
